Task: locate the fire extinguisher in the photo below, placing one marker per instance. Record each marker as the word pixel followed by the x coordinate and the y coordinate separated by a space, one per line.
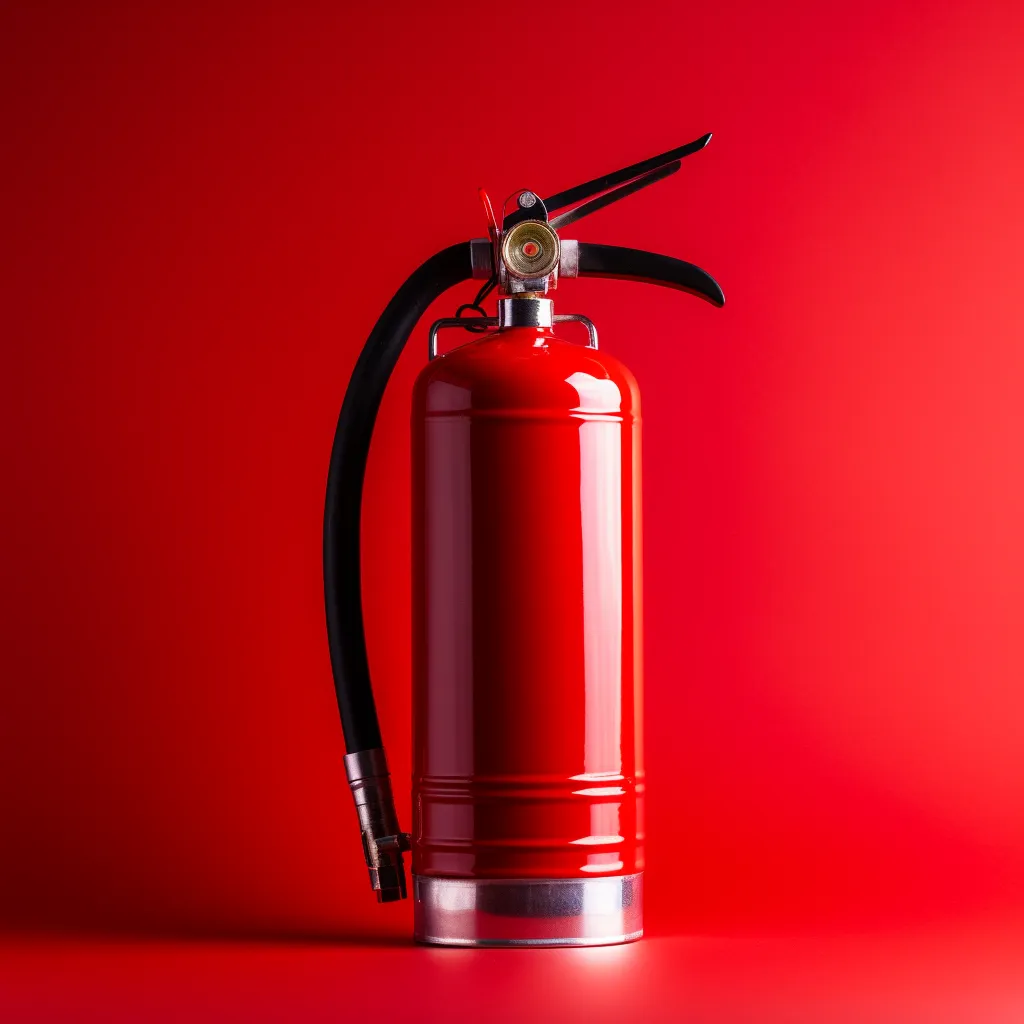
pixel 528 779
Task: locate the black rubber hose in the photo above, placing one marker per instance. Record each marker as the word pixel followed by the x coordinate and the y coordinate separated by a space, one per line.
pixel 649 267
pixel 342 581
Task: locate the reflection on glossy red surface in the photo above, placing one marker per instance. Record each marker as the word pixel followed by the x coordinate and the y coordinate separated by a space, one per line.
pixel 527 659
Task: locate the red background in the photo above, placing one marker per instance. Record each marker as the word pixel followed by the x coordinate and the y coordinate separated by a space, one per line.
pixel 205 207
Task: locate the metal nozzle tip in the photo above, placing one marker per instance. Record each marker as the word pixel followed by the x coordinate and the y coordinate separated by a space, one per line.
pixel 383 842
pixel 388 877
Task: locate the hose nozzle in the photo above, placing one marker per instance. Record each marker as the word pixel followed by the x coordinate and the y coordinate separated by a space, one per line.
pixel 383 842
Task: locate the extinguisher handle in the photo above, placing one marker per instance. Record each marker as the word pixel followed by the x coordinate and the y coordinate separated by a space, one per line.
pixel 615 261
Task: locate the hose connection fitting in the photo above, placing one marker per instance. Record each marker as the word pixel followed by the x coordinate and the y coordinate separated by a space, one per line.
pixel 383 842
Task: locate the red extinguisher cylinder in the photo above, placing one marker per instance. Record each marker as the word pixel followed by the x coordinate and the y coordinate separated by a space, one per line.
pixel 528 774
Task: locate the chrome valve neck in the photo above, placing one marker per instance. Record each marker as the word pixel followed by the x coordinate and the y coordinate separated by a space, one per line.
pixel 525 312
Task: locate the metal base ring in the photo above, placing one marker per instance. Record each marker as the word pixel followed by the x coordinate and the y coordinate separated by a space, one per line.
pixel 529 912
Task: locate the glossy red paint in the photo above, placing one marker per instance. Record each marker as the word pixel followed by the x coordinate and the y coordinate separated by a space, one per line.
pixel 527 612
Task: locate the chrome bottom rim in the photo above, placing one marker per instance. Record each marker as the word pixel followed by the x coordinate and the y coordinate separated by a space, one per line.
pixel 529 912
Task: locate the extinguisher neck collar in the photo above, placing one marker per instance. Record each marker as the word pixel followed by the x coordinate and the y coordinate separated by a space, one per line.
pixel 528 311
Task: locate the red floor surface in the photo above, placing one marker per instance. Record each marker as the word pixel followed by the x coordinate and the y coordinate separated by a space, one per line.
pixel 965 976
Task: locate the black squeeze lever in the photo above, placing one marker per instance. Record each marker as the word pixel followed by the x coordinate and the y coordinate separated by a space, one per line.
pixel 614 195
pixel 632 179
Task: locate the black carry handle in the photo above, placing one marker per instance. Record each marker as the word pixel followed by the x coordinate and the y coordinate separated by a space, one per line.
pixel 624 264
